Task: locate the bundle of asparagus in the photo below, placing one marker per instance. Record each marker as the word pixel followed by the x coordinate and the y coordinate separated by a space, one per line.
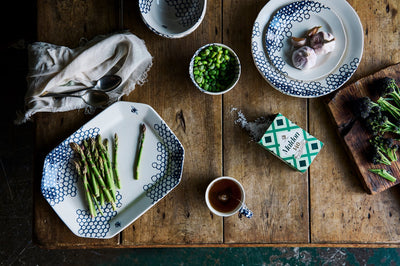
pixel 98 172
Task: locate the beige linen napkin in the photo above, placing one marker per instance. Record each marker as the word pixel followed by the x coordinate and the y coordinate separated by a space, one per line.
pixel 57 69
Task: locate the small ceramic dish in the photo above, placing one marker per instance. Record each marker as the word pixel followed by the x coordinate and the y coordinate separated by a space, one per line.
pixel 172 19
pixel 236 68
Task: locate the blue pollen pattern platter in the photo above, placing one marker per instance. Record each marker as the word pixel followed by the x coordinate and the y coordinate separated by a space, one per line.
pixel 99 226
pixel 169 164
pixel 287 12
pixel 160 170
pixel 59 177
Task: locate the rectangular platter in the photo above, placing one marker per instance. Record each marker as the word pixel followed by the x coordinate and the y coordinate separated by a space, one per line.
pixel 160 170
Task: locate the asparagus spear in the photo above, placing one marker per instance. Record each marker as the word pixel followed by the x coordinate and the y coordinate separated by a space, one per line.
pixel 79 150
pixel 139 149
pixel 82 172
pixel 105 150
pixel 96 201
pixel 101 198
pixel 92 194
pixel 115 163
pixel 96 172
pixel 96 157
pixel 105 161
pixel 109 161
pixel 100 163
pixel 93 182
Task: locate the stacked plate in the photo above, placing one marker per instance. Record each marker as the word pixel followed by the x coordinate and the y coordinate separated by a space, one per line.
pixel 279 21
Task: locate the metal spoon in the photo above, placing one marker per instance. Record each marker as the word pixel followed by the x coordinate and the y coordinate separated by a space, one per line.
pixel 95 98
pixel 106 83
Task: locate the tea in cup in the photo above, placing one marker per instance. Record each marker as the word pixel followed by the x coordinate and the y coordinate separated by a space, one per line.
pixel 225 196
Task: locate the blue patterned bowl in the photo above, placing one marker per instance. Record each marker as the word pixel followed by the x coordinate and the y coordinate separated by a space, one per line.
pixel 172 18
pixel 237 69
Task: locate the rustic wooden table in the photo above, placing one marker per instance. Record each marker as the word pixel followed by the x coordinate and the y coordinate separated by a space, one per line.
pixel 326 206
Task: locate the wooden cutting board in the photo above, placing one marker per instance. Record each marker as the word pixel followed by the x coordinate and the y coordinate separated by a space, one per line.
pixel 353 133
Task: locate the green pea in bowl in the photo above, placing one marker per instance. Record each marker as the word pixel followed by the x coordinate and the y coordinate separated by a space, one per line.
pixel 214 69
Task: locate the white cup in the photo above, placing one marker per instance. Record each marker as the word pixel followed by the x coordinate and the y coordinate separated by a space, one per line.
pixel 225 196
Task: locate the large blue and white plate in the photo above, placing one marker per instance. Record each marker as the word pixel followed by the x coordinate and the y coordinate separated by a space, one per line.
pixel 160 170
pixel 318 83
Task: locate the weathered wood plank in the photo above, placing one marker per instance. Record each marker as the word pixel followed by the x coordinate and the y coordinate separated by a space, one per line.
pixel 326 206
pixel 182 217
pixel 65 23
pixel 277 194
pixel 341 210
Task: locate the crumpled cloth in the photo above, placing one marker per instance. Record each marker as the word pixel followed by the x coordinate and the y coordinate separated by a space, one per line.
pixel 58 69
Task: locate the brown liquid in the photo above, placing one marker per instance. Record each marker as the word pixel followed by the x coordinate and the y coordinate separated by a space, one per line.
pixel 225 195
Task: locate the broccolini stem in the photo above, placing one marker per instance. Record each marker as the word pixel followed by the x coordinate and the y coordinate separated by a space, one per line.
pixel 390 108
pixel 396 98
pixel 384 159
pixel 383 173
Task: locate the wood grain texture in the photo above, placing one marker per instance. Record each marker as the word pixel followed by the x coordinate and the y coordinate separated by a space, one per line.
pixel 182 216
pixel 277 195
pixel 340 209
pixel 326 206
pixel 354 134
pixel 65 23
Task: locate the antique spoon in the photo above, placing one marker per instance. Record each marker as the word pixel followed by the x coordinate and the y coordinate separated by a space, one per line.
pixel 106 83
pixel 95 98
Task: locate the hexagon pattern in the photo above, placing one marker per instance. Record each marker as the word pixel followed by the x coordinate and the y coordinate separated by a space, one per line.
pixel 58 166
pixel 296 87
pixel 169 164
pixel 98 226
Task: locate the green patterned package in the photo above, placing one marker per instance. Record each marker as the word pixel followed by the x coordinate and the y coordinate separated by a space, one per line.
pixel 291 143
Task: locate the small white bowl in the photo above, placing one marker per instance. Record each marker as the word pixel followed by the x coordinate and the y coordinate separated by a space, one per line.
pixel 172 18
pixel 237 69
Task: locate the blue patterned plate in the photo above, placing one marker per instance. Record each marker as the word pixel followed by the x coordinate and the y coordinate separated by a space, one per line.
pixel 294 20
pixel 321 86
pixel 160 170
